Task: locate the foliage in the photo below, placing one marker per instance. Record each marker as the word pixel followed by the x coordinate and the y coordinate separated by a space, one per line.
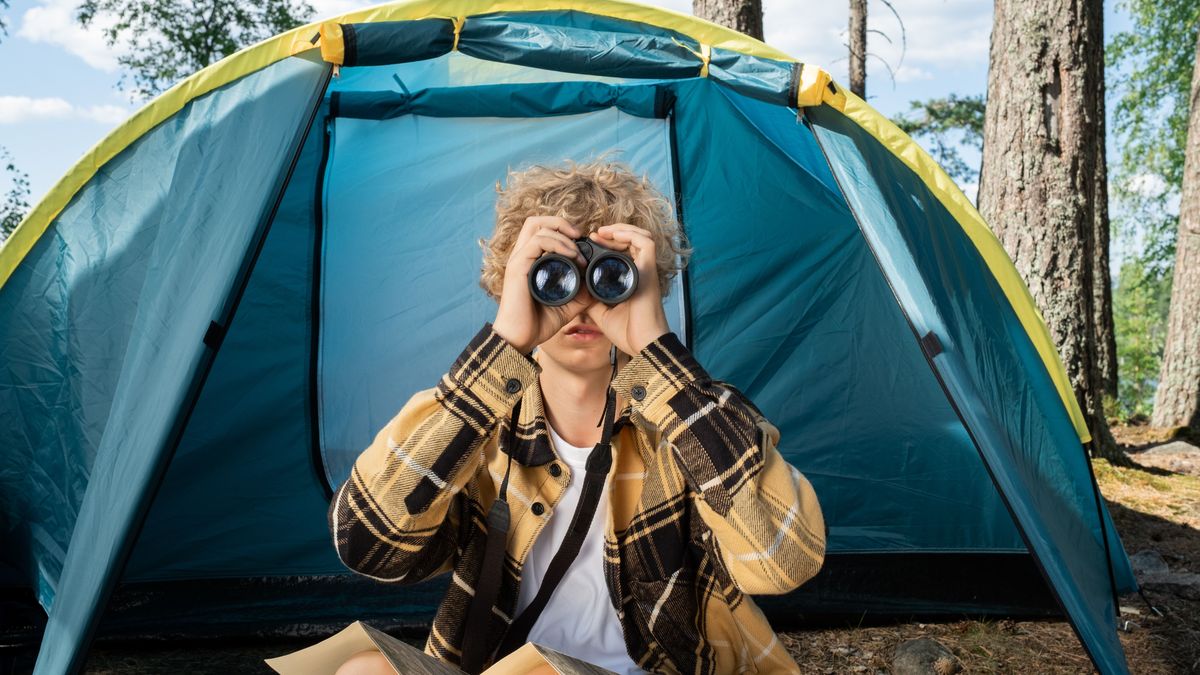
pixel 1140 302
pixel 1150 73
pixel 16 202
pixel 167 40
pixel 947 123
pixel 1152 109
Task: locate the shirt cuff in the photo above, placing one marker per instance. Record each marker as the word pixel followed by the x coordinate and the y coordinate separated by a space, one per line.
pixel 658 372
pixel 487 379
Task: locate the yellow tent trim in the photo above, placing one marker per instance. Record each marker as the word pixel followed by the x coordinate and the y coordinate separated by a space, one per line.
pixel 300 40
pixel 993 253
pixel 333 44
pixel 813 89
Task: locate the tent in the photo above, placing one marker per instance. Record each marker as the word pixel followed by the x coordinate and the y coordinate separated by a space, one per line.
pixel 209 315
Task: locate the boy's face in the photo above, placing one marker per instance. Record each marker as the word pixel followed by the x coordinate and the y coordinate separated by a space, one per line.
pixel 579 345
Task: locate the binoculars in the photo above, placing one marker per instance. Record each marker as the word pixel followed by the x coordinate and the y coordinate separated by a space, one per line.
pixel 610 275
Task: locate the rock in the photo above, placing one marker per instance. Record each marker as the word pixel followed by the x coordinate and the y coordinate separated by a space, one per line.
pixel 1176 456
pixel 1172 448
pixel 1183 584
pixel 1147 562
pixel 924 656
pixel 1153 573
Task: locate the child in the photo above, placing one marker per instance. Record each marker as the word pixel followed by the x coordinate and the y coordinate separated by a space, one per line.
pixel 697 512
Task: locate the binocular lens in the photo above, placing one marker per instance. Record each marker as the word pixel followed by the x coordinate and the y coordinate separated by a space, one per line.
pixel 555 281
pixel 611 278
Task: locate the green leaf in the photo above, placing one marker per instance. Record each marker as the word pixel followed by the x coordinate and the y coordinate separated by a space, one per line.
pixel 945 124
pixel 163 41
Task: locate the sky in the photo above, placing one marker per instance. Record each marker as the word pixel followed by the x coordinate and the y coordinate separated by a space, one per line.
pixel 59 93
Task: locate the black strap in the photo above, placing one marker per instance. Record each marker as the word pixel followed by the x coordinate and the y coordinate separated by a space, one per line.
pixel 599 462
pixel 487 588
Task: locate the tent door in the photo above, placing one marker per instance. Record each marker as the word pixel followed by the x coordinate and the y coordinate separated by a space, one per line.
pixel 407 200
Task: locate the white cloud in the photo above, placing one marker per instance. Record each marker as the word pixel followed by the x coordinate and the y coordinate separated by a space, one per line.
pixel 18 109
pixel 681 6
pixel 106 114
pixel 939 35
pixel 15 109
pixel 943 34
pixel 53 22
pixel 325 9
pixel 908 73
pixel 1148 185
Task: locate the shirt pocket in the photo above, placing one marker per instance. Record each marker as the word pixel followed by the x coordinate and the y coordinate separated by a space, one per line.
pixel 668 613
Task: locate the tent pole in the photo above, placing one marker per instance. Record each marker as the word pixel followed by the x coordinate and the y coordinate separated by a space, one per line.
pixel 212 341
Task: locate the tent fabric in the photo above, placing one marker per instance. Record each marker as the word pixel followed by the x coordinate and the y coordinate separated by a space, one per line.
pixel 531 100
pixel 162 277
pixel 985 362
pixel 338 214
pixel 253 400
pixel 984 240
pixel 835 347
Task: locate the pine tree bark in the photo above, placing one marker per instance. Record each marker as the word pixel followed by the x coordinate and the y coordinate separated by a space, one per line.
pixel 1177 400
pixel 1102 297
pixel 1041 156
pixel 858 47
pixel 744 16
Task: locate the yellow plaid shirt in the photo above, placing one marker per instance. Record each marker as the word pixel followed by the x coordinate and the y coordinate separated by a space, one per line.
pixel 704 510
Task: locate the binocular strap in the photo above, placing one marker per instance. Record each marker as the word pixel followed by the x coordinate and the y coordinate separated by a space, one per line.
pixel 475 642
pixel 487 588
pixel 599 462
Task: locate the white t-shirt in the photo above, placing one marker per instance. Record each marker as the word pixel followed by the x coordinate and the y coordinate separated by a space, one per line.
pixel 579 620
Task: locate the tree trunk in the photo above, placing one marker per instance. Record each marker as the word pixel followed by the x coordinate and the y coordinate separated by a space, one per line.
pixel 1041 155
pixel 858 47
pixel 1177 400
pixel 1102 299
pixel 744 16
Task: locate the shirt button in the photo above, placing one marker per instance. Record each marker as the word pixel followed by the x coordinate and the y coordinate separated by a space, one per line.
pixel 555 470
pixel 538 509
pixel 513 385
pixel 638 392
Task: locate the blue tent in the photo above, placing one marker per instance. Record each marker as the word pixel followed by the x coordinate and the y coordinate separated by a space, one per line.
pixel 210 315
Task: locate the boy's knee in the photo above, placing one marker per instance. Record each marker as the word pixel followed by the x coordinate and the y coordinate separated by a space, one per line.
pixel 370 662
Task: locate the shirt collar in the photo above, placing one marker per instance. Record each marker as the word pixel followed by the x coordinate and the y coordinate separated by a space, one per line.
pixel 534 447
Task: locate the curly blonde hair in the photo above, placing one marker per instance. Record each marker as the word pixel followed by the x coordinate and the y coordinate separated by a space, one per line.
pixel 588 195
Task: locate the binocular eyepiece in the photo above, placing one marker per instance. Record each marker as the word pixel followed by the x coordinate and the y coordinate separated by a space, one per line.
pixel 610 275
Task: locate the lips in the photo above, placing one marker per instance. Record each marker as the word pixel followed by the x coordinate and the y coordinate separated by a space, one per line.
pixel 583 330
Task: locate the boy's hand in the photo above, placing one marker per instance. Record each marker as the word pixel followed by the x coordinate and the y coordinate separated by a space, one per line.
pixel 521 320
pixel 640 319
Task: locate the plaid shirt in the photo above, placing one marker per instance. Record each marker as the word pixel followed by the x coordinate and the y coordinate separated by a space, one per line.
pixel 704 510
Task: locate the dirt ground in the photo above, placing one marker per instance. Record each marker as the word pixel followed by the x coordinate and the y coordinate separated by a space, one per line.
pixel 1155 505
pixel 1156 508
